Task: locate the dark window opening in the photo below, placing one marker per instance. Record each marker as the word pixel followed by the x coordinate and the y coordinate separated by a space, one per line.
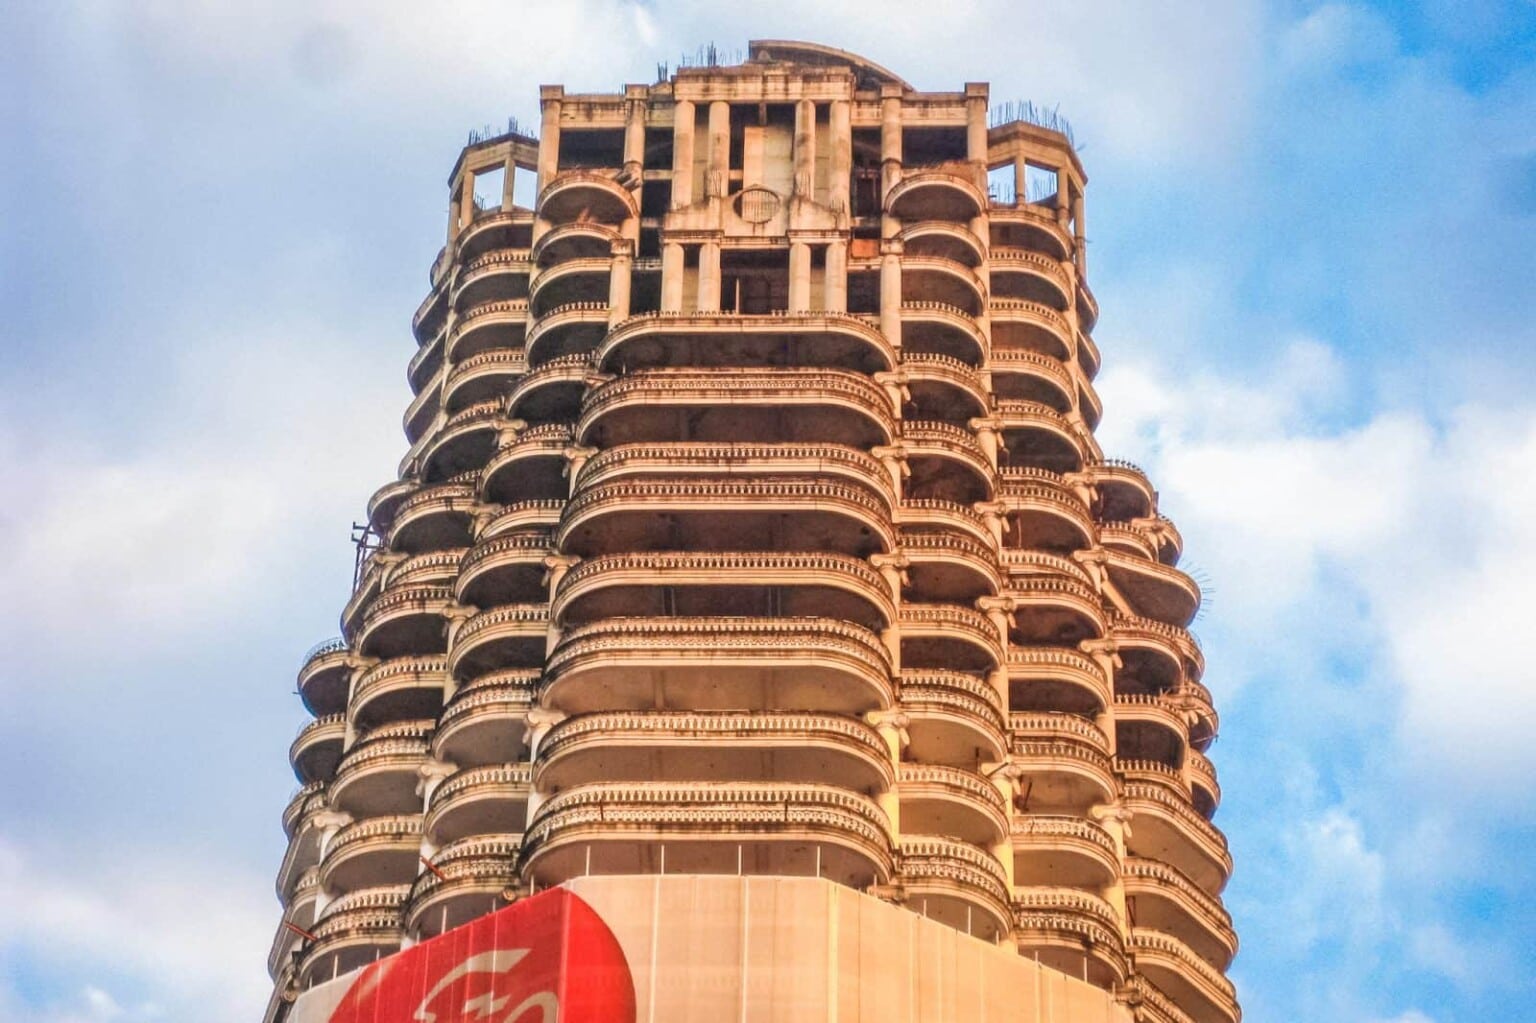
pixel 864 189
pixel 754 283
pixel 864 292
pixel 655 198
pixel 921 147
pixel 658 148
pixel 650 243
pixel 591 149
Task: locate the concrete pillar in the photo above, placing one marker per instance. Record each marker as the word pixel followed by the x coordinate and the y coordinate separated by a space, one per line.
pixel 805 148
pixel 892 726
pixel 986 435
pixel 508 175
pixel 890 143
pixel 634 138
pixel 841 123
pixel 619 283
pixel 709 277
pixel 672 277
pixel 976 122
pixel 549 134
pixel 835 290
pixel 453 218
pixel 467 198
pixel 890 292
pixel 682 154
pixel 717 178
pixel 1020 180
pixel 799 276
pixel 1079 232
pixel 894 458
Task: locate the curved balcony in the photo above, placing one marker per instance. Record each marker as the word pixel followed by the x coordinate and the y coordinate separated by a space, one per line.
pixel 532 467
pixel 463 444
pixel 801 585
pixel 486 721
pixel 484 800
pixel 511 636
pixel 576 328
pixel 1160 592
pixel 570 282
pixel 839 461
pixel 316 750
pixel 522 516
pixel 1087 307
pixel 948 636
pixel 1165 900
pixel 937 193
pixel 301 857
pixel 953 718
pixel 1030 226
pixel 405 622
pixel 404 689
pixel 709 828
pixel 947 567
pixel 714 514
pixel 934 328
pixel 482 377
pixel 684 746
pixel 1036 436
pixel 552 393
pixel 421 413
pixel 1156 655
pixel 1127 539
pixel 1061 850
pixel 586 195
pixel 299 913
pixel 936 279
pixel 378 775
pixel 719 664
pixel 429 567
pixel 1072 931
pixel 1087 355
pixel 937 799
pixel 1019 374
pixel 382 505
pixel 943 388
pixel 1047 678
pixel 467 879
pixel 945 463
pixel 579 239
pixel 1169 831
pixel 434 518
pixel 429 315
pixel 956 884
pixel 354 930
pixel 425 364
pixel 1044 512
pixel 1191 982
pixel 308 799
pixel 323 677
pixel 1089 404
pixel 927 514
pixel 806 340
pixel 372 852
pixel 494 277
pixel 946 239
pixel 1204 789
pixel 489 327
pixel 804 405
pixel 1054 610
pixel 1018 325
pixel 1025 276
pixel 506 569
pixel 1065 758
pixel 1031 562
pixel 1150 728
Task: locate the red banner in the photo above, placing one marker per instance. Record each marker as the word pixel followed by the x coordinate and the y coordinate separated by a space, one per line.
pixel 545 958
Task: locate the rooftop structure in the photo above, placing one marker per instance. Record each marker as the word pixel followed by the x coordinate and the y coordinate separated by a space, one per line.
pixel 753 523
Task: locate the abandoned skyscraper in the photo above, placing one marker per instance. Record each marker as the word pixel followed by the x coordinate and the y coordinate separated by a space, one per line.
pixel 753 538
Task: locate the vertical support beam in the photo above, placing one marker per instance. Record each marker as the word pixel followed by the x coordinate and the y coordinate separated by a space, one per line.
pixel 835 289
pixel 467 197
pixel 508 175
pixel 550 97
pixel 619 283
pixel 1020 179
pixel 799 276
pixel 672 277
pixel 841 124
pixel 976 122
pixel 717 180
pixel 890 139
pixel 634 132
pixel 890 292
pixel 805 149
pixel 453 218
pixel 682 154
pixel 709 277
pixel 1079 230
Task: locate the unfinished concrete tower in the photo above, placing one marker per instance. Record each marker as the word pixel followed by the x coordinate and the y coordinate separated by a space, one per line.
pixel 753 524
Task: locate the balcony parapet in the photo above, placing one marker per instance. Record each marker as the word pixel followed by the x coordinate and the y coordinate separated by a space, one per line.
pixel 1088 354
pixel 508 312
pixel 1019 562
pixel 746 459
pixel 307 799
pixel 1122 536
pixel 406 601
pixel 1080 913
pixel 1161 591
pixel 481 865
pixel 427 362
pixel 948 191
pixel 586 195
pixel 951 621
pixel 1037 313
pixel 317 747
pixel 396 829
pixel 1178 642
pixel 677 325
pixel 1164 957
pixel 945 515
pixel 953 318
pixel 954 549
pixel 583 237
pixel 1055 833
pixel 526 623
pixel 398 673
pixel 1151 879
pixel 556 328
pixel 521 515
pixel 323 666
pixel 563 279
pixel 1160 800
pixel 1203 773
pixel 1012 260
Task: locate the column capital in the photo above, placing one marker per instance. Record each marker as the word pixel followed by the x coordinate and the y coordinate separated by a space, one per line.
pixel 985 423
pixel 893 560
pixel 545 718
pixel 988 605
pixel 431 770
pixel 991 507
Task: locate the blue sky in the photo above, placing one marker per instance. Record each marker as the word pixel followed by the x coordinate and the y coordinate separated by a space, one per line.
pixel 1312 238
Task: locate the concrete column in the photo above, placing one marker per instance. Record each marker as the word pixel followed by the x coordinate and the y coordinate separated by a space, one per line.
pixel 986 436
pixel 799 276
pixel 717 179
pixel 619 283
pixel 976 122
pixel 682 154
pixel 892 726
pixel 508 175
pixel 672 277
pixel 894 458
pixel 890 293
pixel 890 143
pixel 709 277
pixel 549 134
pixel 805 148
pixel 835 290
pixel 467 198
pixel 634 138
pixel 1020 180
pixel 453 218
pixel 841 122
pixel 1079 233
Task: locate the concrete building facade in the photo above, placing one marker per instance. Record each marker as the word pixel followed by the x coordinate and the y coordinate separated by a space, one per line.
pixel 753 523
